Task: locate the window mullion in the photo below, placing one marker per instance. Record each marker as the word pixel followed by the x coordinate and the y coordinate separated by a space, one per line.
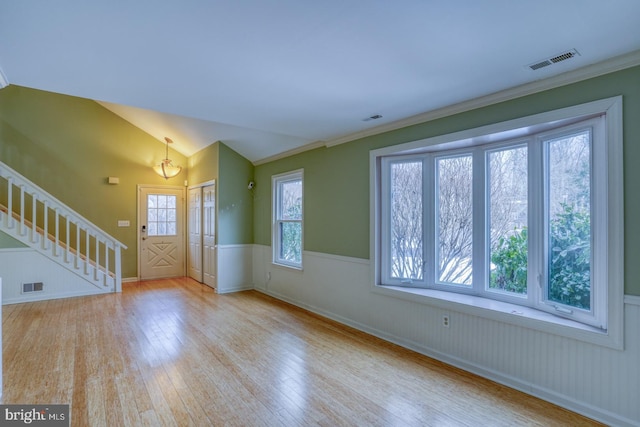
pixel 429 220
pixel 479 204
pixel 385 218
pixel 536 223
pixel 600 214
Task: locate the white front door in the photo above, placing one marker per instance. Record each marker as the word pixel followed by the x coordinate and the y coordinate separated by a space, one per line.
pixel 195 233
pixel 161 211
pixel 209 252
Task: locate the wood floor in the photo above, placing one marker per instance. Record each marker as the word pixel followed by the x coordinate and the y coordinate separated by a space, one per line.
pixel 172 352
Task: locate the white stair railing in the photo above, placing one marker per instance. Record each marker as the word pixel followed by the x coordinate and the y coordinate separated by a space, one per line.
pixel 37 219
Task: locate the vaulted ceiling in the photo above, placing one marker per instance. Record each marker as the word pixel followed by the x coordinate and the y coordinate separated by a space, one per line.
pixel 269 77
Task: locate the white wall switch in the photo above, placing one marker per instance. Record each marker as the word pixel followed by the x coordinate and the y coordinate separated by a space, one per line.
pixel 124 223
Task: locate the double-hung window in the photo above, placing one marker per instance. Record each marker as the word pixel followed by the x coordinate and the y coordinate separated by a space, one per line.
pixel 287 219
pixel 522 214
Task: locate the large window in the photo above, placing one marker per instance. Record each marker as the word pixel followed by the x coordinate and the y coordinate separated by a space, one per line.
pixel 521 215
pixel 287 219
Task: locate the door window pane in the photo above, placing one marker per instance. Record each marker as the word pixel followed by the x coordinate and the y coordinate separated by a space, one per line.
pixel 507 219
pixel 454 219
pixel 161 215
pixel 171 228
pixel 162 201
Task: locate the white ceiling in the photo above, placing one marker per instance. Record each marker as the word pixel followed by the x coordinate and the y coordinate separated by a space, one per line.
pixel 267 77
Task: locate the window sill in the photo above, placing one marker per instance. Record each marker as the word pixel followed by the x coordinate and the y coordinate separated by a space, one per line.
pixel 503 312
pixel 287 267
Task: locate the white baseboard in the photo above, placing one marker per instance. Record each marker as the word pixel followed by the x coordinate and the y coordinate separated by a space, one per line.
pixel 236 289
pixel 46 297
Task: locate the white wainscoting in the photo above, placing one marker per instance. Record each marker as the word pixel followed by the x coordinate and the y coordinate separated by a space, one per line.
pixel 1 386
pixel 599 382
pixel 234 268
pixel 23 265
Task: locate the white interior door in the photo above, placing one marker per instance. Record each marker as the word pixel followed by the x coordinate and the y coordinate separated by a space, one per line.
pixel 209 252
pixel 161 211
pixel 195 233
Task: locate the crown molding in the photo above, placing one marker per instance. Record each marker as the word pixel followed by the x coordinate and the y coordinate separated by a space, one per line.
pixel 618 63
pixel 298 150
pixel 3 80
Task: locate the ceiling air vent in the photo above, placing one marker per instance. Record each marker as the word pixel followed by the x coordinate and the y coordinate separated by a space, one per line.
pixel 554 59
pixel 374 117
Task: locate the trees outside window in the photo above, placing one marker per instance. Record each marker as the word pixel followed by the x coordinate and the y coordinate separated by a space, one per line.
pixel 454 213
pixel 569 225
pixel 407 255
pixel 507 218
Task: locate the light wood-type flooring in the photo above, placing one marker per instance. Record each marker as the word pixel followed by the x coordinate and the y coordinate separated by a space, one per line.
pixel 172 352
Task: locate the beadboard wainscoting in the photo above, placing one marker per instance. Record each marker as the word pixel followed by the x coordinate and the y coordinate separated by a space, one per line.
pixel 234 268
pixel 599 382
pixel 24 265
pixel 1 347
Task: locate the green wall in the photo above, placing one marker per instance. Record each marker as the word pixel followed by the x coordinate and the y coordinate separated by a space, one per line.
pixel 232 173
pixel 336 186
pixel 235 200
pixel 203 165
pixel 69 146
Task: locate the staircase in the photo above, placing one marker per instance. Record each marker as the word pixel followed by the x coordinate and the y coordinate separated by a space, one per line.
pixel 37 219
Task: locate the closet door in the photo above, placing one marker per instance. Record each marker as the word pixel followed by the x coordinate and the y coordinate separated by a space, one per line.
pixel 209 252
pixel 195 234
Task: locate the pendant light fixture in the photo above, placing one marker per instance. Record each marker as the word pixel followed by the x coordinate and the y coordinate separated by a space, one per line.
pixel 166 169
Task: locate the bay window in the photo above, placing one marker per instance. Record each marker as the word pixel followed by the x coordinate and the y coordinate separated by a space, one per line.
pixel 519 212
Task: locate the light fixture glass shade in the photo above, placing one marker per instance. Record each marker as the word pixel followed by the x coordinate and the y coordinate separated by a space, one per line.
pixel 166 169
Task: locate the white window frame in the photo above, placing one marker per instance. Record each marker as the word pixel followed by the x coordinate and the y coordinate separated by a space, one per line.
pixel 385 231
pixel 604 326
pixel 276 183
